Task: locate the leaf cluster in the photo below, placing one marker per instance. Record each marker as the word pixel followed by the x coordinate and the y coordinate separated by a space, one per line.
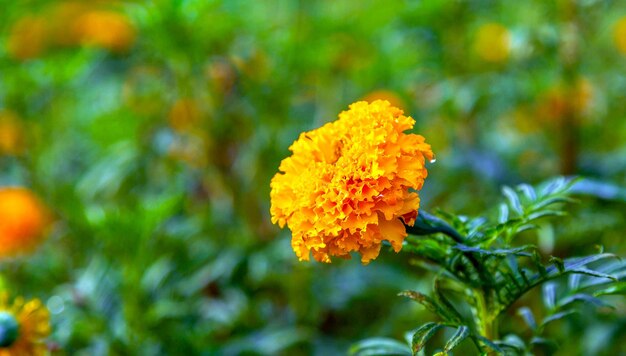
pixel 482 271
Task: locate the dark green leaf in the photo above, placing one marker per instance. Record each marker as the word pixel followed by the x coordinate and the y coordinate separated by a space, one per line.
pixel 547 343
pixel 379 346
pixel 423 334
pixel 426 301
pixel 519 251
pixel 451 313
pixel 593 273
pixel 545 213
pixel 552 200
pixel 573 263
pixel 573 281
pixel 557 316
pixel 583 298
pixel 513 199
pixel 616 288
pixel 560 265
pixel 490 344
pixel 549 295
pixel 528 191
pixel 528 317
pixel 504 213
pixel 461 334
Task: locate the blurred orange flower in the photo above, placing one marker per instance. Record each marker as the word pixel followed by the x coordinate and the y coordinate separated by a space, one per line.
pixel 11 134
pixel 25 324
pixel 393 98
pixel 106 29
pixel 23 221
pixel 61 14
pixel 351 184
pixel 27 38
pixel 492 42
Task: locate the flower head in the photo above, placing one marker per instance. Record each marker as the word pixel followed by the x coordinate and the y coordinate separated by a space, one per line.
pixel 106 29
pixel 351 184
pixel 23 327
pixel 23 221
pixel 27 39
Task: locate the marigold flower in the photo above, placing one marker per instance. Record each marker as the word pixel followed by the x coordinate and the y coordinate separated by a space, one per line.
pixel 106 29
pixel 351 184
pixel 27 39
pixel 60 14
pixel 23 221
pixel 23 327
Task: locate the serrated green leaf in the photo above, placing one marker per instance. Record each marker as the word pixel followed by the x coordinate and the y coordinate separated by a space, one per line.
pixel 461 334
pixel 423 334
pixel 593 273
pixel 519 251
pixel 528 191
pixel 528 317
pixel 525 227
pixel 573 281
pixel 616 288
pixel 545 213
pixel 451 313
pixel 556 316
pixel 583 298
pixel 379 346
pixel 552 200
pixel 573 263
pixel 555 185
pixel 551 345
pixel 512 341
pixel 513 199
pixel 549 295
pixel 424 300
pixel 503 216
pixel 558 263
pixel 490 344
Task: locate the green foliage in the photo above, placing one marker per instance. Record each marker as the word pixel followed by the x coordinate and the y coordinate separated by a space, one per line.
pixel 162 242
pixel 479 264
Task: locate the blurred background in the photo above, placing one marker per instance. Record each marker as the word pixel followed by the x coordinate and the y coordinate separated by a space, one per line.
pixel 151 130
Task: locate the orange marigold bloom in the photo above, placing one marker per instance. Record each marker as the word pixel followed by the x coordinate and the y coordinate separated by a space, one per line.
pixel 106 29
pixel 27 39
pixel 351 184
pixel 23 221
pixel 26 324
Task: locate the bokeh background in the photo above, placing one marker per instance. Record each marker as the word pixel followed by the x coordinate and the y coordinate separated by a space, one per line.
pixel 151 131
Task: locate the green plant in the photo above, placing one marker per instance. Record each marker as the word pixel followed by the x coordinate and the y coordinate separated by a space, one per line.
pixel 481 271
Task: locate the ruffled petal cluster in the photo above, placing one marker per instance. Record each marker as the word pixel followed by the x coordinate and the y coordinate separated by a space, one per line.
pixel 33 320
pixel 351 183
